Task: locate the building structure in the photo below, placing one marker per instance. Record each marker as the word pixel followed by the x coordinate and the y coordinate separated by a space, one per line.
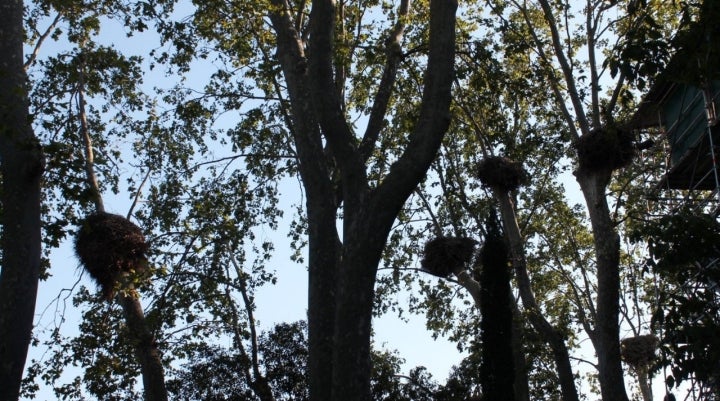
pixel 680 114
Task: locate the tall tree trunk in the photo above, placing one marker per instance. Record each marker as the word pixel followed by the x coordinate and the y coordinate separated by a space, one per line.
pixel 21 166
pixel 643 377
pixel 342 275
pixel 324 246
pixel 522 385
pixel 353 323
pixel 549 334
pixel 497 370
pixel 146 349
pixel 323 258
pixel 144 342
pixel 607 254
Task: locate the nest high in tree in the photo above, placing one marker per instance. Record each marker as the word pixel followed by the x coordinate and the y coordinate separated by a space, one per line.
pixel 605 149
pixel 443 255
pixel 108 246
pixel 501 173
pixel 639 351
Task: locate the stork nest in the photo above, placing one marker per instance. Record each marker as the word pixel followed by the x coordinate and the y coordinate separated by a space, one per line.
pixel 605 149
pixel 108 247
pixel 501 173
pixel 443 256
pixel 639 351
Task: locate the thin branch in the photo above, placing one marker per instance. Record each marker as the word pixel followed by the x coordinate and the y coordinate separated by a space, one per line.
pixel 136 198
pixel 565 68
pixel 87 141
pixel 428 208
pixel 593 364
pixel 36 50
pixel 553 81
pixel 300 15
pixel 587 291
pixel 238 336
pixel 484 142
pixel 393 52
pixel 234 157
pixel 594 79
pixel 471 285
pixel 415 383
pixel 579 301
pixel 251 318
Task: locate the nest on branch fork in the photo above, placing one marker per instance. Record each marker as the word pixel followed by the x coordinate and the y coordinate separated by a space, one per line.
pixel 110 246
pixel 445 255
pixel 605 149
pixel 501 173
pixel 639 351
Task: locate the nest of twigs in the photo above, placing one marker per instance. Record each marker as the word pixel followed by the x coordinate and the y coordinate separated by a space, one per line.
pixel 109 246
pixel 445 255
pixel 501 173
pixel 639 351
pixel 605 149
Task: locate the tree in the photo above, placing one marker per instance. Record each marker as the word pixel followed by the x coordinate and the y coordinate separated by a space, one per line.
pixel 687 313
pixel 367 205
pixel 21 167
pixel 342 274
pixel 599 146
pixel 299 82
pixel 565 281
pixel 499 108
pixel 98 236
pixel 216 374
pixel 85 71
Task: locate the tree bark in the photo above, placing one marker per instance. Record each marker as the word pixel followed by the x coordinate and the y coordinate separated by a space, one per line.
pixel 497 369
pixel 21 166
pixel 548 333
pixel 321 206
pixel 607 254
pixel 522 385
pixel 643 377
pixel 145 348
pixel 353 322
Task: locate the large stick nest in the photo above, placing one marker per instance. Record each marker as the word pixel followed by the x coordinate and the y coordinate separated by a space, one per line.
pixel 109 246
pixel 501 173
pixel 605 149
pixel 639 351
pixel 445 255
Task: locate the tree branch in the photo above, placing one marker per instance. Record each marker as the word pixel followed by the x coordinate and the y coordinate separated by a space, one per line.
pixel 594 80
pixel 393 52
pixel 290 52
pixel 566 68
pixel 549 333
pixel 87 141
pixel 547 64
pixel 327 103
pixel 434 118
pixel 36 50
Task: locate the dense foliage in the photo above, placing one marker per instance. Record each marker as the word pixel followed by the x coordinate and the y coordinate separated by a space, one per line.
pixel 250 138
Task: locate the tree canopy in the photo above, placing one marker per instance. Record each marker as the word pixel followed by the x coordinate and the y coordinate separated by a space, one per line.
pixel 352 140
